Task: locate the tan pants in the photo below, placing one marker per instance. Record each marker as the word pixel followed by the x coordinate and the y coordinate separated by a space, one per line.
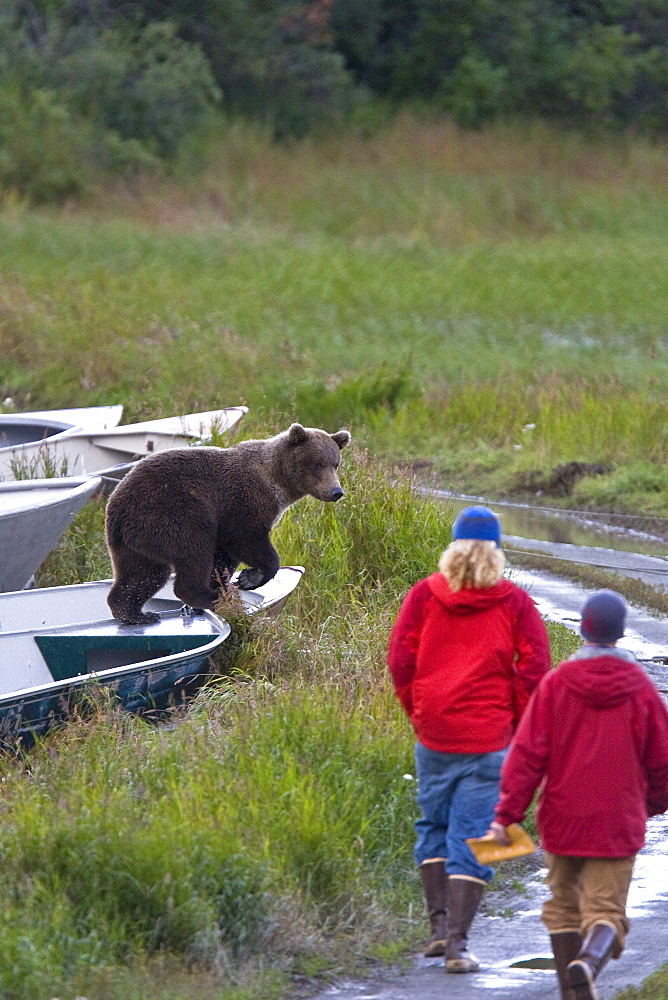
pixel 588 891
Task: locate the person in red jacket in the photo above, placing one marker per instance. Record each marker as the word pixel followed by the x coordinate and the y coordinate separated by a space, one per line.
pixel 595 739
pixel 465 653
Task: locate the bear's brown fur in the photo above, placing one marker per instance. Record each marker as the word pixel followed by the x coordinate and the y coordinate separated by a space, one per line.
pixel 202 511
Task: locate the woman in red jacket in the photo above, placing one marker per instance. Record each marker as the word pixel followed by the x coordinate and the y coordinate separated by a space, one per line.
pixel 595 737
pixel 466 651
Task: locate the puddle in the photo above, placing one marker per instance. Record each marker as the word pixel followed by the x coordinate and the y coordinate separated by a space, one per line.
pixel 490 981
pixel 650 874
pixel 540 962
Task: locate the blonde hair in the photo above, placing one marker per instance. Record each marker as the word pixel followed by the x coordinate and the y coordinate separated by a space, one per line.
pixel 470 562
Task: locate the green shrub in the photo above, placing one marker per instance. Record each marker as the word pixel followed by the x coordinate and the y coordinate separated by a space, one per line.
pixel 475 91
pixel 42 146
pixel 147 85
pixel 342 402
pixel 306 89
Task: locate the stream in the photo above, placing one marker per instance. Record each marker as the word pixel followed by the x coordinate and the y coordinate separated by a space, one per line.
pixel 512 950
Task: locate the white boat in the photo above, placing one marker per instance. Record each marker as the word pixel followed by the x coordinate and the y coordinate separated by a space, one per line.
pixel 33 516
pixel 59 641
pixel 48 443
pixel 39 425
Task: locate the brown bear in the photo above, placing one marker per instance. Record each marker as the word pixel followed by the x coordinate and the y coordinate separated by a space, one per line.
pixel 202 511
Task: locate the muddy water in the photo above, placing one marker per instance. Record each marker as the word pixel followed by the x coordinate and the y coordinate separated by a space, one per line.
pixel 573 528
pixel 512 951
pixel 567 538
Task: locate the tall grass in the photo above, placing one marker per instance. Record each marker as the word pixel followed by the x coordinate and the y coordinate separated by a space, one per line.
pixel 418 181
pixel 273 816
pixel 270 828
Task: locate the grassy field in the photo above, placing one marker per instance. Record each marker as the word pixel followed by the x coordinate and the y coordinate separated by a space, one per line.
pixel 265 837
pixel 490 302
pixel 483 306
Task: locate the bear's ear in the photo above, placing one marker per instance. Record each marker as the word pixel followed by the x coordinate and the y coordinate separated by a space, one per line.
pixel 342 438
pixel 297 434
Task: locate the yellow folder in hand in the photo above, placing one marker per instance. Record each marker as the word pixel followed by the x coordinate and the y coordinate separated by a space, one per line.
pixel 489 852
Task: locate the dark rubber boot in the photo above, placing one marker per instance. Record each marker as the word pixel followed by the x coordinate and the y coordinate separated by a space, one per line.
pixel 565 947
pixel 597 948
pixel 464 898
pixel 435 885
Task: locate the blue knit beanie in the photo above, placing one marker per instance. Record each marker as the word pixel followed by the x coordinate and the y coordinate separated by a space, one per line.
pixel 603 617
pixel 477 522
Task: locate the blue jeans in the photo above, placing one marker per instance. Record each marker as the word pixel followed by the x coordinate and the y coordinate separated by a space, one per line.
pixel 457 793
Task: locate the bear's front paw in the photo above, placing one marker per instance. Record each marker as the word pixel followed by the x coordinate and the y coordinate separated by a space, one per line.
pixel 249 579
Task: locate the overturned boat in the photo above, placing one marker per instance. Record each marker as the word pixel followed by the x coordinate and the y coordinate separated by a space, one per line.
pixel 89 441
pixel 34 514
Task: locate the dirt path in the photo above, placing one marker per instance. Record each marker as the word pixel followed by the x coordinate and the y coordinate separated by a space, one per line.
pixel 501 942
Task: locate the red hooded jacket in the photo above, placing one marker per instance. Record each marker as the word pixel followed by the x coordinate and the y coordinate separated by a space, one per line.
pixel 464 664
pixel 595 734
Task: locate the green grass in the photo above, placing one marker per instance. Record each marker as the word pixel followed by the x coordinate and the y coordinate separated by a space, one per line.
pixel 655 987
pixel 435 291
pixel 268 832
pixel 103 297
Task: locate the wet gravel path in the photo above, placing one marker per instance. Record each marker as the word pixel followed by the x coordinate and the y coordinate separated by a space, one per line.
pixel 501 942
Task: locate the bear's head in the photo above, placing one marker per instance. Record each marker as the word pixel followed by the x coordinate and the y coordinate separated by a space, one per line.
pixel 309 460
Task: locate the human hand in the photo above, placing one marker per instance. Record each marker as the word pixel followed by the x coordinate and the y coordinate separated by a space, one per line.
pixel 498 832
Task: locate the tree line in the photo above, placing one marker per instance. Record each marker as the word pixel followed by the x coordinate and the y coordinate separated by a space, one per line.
pixel 129 81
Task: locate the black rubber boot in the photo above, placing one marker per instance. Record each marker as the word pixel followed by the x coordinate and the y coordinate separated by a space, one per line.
pixel 565 947
pixel 597 948
pixel 435 885
pixel 464 898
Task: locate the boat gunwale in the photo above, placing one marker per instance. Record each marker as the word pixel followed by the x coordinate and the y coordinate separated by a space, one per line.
pixel 60 495
pixel 31 420
pixel 98 584
pixel 66 427
pixel 104 676
pixel 65 431
pixel 90 623
pixel 53 483
pixel 145 426
pixel 222 630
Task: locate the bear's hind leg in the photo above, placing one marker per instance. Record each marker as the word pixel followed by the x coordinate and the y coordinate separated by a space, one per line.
pixel 192 585
pixel 136 580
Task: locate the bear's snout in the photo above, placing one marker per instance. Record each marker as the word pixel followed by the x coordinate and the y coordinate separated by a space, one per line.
pixel 336 493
